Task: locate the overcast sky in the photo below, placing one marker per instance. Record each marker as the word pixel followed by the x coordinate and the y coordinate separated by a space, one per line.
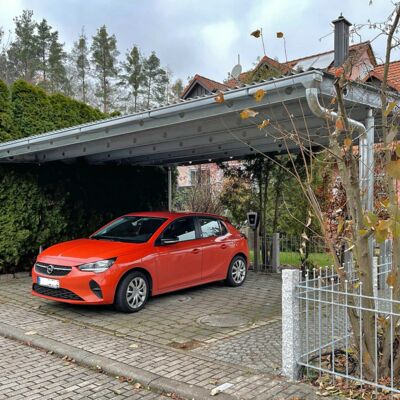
pixel 205 36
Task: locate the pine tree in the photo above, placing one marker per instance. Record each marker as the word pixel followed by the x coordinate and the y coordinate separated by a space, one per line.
pixel 133 76
pixel 44 40
pixel 156 80
pixel 104 57
pixel 23 52
pixel 80 59
pixel 57 72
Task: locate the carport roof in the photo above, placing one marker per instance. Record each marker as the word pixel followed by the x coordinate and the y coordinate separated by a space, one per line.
pixel 196 130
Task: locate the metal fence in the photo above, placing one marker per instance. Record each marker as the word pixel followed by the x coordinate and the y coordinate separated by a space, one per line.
pixel 319 337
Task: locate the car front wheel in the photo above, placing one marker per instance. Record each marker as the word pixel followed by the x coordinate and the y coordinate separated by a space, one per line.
pixel 132 293
pixel 237 271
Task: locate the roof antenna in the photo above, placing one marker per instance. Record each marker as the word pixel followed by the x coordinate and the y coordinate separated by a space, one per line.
pixel 236 70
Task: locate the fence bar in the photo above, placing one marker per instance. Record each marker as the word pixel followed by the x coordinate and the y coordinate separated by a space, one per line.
pixel 291 349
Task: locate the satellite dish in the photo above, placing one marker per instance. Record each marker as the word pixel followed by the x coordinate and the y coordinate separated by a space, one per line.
pixel 236 70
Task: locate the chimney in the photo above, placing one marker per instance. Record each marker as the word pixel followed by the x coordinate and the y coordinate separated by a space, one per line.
pixel 341 40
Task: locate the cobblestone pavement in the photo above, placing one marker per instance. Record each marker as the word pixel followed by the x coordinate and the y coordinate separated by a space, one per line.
pixel 28 373
pixel 166 337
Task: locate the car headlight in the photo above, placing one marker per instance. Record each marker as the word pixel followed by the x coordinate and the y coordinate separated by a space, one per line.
pixel 97 266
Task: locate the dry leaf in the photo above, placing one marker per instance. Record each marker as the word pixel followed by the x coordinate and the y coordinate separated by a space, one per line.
pixel 389 108
pixel 219 98
pixel 391 279
pixel 256 33
pixel 339 72
pixel 398 150
pixel 333 101
pixel 30 333
pixel 137 385
pixel 264 124
pixel 339 124
pixel 362 232
pixel 347 143
pixel 340 225
pixel 258 96
pixel 308 222
pixel 248 113
pixel 279 35
pixel 393 169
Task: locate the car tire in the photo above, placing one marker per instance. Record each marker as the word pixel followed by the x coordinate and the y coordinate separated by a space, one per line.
pixel 237 272
pixel 132 293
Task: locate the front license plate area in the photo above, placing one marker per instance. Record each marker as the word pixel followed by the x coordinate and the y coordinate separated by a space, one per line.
pixel 50 283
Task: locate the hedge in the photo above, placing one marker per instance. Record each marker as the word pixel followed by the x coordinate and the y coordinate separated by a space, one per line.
pixel 52 202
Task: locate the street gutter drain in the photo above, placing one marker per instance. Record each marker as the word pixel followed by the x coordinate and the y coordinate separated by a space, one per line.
pixel 223 320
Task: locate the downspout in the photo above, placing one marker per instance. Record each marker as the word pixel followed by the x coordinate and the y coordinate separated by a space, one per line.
pixel 322 112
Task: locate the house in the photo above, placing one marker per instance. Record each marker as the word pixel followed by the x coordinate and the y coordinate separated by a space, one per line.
pixel 364 68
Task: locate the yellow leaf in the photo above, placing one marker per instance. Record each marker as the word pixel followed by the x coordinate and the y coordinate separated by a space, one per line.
pixel 393 169
pixel 389 108
pixel 279 35
pixel 339 125
pixel 398 150
pixel 259 94
pixel 385 203
pixel 256 33
pixel 383 225
pixel 370 219
pixel 391 279
pixel 248 113
pixel 219 98
pixel 347 143
pixel 381 236
pixel 362 232
pixel 264 124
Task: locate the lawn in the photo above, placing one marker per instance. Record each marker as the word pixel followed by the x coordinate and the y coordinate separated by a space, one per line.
pixel 293 258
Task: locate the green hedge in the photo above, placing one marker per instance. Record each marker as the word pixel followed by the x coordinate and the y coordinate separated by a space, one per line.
pixel 42 205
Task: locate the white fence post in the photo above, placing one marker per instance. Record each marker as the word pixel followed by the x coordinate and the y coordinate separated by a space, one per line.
pixel 290 323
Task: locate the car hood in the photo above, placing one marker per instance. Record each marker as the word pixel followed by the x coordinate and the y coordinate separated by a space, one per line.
pixel 80 251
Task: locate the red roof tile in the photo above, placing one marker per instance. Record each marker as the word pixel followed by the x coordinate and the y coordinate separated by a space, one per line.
pixel 393 75
pixel 207 83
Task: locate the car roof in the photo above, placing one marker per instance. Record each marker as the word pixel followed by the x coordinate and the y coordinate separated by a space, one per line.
pixel 173 214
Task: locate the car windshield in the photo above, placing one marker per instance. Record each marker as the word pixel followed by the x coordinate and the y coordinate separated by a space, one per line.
pixel 132 229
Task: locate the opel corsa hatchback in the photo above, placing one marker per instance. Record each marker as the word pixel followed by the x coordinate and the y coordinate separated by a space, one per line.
pixel 142 255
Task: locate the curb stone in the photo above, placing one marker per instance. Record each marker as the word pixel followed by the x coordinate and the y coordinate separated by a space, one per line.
pixel 111 367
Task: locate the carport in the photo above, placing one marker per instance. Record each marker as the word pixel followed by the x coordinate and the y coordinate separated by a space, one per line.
pixel 202 130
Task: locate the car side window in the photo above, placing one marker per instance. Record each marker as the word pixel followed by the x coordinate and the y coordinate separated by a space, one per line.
pixel 209 227
pixel 224 229
pixel 182 229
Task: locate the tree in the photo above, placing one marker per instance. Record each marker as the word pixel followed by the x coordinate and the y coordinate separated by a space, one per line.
pixel 80 58
pixel 44 41
pixel 104 57
pixel 156 81
pixel 57 72
pixel 23 51
pixel 133 76
pixel 177 89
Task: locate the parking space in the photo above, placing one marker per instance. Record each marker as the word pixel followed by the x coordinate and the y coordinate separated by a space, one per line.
pixel 230 324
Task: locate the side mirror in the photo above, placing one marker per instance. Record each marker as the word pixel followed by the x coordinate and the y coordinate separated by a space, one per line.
pixel 170 240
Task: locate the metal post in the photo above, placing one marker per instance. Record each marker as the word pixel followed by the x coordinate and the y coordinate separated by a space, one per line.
pixel 366 166
pixel 275 262
pixel 169 189
pixel 291 349
pixel 256 249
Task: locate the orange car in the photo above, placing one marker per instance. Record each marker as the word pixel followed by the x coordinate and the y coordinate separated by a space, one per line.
pixel 141 255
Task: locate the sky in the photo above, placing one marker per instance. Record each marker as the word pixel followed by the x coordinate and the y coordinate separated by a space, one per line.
pixel 206 36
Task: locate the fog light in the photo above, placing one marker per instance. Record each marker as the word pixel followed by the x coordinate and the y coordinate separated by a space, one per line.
pixel 95 288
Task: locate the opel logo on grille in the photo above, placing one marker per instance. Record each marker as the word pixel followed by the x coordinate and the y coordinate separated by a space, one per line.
pixel 50 269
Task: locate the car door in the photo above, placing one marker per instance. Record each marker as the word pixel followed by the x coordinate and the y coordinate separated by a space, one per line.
pixel 216 248
pixel 179 264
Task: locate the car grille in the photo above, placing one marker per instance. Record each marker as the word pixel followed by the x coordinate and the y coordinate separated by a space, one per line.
pixel 52 270
pixel 56 293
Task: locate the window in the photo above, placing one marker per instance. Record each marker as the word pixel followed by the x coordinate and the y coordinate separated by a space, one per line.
pixel 209 227
pixel 133 229
pixel 183 229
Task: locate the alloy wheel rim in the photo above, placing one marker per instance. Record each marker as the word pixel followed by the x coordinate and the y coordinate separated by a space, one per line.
pixel 136 292
pixel 238 271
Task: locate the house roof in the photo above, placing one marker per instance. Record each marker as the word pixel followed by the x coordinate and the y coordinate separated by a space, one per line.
pixel 393 75
pixel 323 61
pixel 208 84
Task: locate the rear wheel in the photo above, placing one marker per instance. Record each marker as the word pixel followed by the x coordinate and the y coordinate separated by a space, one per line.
pixel 237 271
pixel 132 293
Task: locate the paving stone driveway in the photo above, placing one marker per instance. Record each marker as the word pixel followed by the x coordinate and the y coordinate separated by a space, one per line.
pixel 175 319
pixel 27 374
pixel 167 337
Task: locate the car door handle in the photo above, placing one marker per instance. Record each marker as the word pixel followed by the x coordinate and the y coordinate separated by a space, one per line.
pixel 224 246
pixel 196 251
